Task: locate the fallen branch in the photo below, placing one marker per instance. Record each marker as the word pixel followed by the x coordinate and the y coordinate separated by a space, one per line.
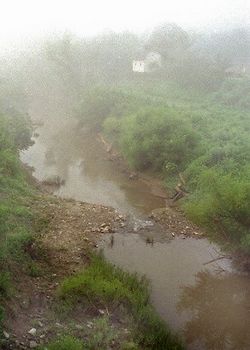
pixel 216 259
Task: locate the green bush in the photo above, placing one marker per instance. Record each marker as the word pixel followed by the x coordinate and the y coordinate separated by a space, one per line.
pixel 102 102
pixel 65 343
pixel 234 93
pixel 222 200
pixel 153 138
pixel 102 335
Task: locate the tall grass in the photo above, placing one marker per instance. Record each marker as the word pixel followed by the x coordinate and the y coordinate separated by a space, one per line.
pixel 65 343
pixel 16 217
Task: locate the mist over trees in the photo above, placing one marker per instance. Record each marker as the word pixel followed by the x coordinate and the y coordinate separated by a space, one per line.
pixel 67 64
pixel 188 115
pixel 193 60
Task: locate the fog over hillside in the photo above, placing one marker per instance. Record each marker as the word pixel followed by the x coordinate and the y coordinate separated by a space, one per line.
pixel 124 175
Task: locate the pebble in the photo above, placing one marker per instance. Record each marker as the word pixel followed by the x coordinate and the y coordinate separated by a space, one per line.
pixel 33 344
pixel 32 331
pixel 6 335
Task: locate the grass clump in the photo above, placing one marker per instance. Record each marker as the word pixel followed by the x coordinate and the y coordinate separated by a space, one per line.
pixel 102 335
pixel 65 343
pixel 103 283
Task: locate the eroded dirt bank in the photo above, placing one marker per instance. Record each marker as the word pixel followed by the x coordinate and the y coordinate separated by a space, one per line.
pixel 69 229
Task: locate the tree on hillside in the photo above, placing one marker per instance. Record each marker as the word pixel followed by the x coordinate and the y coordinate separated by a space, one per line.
pixel 168 40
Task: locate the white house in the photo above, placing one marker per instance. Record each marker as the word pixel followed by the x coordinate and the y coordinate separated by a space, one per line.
pixel 151 63
pixel 139 66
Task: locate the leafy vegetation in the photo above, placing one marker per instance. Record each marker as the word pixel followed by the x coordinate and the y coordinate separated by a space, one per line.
pixel 16 218
pixel 103 284
pixel 207 141
pixel 189 115
pixel 66 343
pixel 151 134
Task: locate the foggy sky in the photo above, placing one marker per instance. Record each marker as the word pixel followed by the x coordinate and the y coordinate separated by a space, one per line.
pixel 34 18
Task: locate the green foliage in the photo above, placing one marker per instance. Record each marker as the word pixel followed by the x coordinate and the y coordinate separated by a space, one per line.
pixel 206 141
pixel 234 93
pixel 153 138
pixel 222 200
pixel 129 346
pixel 5 285
pixel 102 335
pixel 34 270
pixel 65 343
pixel 103 283
pixel 169 40
pixel 99 103
pixel 16 219
pixel 198 72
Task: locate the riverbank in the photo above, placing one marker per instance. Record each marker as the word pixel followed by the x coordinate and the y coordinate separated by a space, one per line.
pixel 167 259
pixel 171 216
pixel 194 137
pixel 47 241
pixel 35 315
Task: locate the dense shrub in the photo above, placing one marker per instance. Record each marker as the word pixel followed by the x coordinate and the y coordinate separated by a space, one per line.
pixel 222 200
pixel 234 93
pixel 153 138
pixel 101 102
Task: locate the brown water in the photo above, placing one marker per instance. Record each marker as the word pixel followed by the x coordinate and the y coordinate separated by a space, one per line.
pixel 209 304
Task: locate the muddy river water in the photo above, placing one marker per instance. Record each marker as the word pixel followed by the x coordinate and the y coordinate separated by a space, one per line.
pixel 208 304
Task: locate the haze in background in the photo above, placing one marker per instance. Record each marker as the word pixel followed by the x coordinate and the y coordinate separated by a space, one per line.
pixel 30 19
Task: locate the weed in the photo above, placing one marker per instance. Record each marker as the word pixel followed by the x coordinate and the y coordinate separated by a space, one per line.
pixel 5 285
pixel 34 270
pixel 65 343
pixel 102 335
